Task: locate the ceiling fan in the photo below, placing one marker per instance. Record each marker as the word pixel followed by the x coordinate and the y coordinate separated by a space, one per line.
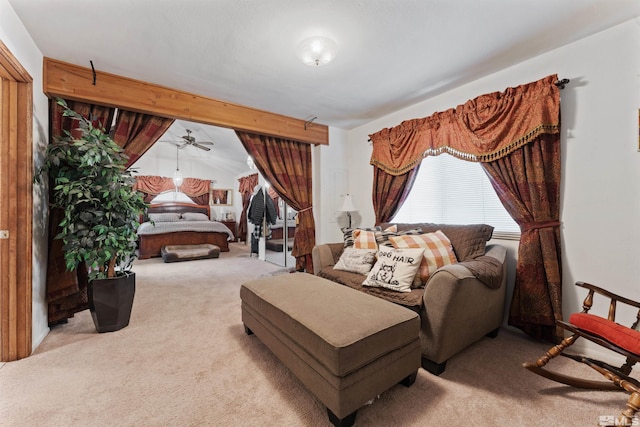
pixel 191 140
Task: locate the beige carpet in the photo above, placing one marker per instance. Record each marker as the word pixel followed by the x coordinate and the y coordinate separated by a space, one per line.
pixel 185 360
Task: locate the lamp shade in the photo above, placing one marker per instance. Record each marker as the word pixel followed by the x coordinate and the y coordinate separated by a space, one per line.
pixel 347 204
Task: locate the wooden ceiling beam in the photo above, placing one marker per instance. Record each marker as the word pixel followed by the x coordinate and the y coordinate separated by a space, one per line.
pixel 72 82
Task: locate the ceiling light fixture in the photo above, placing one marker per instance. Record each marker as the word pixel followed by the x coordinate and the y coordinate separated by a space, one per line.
pixel 316 51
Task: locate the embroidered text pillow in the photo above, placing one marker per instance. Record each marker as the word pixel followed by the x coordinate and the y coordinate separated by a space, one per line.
pixel 356 260
pixel 395 268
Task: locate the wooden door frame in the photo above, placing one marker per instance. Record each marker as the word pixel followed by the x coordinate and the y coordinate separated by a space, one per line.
pixel 16 207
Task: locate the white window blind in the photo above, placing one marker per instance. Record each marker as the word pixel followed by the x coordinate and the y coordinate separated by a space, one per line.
pixel 448 190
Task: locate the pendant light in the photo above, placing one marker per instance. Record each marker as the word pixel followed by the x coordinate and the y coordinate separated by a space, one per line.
pixel 177 175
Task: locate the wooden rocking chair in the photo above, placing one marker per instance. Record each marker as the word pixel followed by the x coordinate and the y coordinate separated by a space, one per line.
pixel 605 332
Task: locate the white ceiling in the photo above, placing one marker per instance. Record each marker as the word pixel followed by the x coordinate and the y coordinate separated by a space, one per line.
pixel 391 54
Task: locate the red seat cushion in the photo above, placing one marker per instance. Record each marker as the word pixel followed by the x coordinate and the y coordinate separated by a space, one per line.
pixel 622 336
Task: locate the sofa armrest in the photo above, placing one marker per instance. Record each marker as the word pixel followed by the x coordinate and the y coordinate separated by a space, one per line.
pixel 459 309
pixel 326 255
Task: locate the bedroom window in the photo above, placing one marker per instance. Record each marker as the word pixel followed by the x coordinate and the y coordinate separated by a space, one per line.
pixel 452 191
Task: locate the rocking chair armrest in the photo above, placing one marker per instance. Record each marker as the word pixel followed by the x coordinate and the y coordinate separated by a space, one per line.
pixel 608 294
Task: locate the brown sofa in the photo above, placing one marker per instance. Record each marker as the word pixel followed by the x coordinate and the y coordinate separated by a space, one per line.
pixel 460 304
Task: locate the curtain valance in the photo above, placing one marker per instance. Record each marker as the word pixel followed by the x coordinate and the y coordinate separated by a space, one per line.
pixel 152 184
pixel 483 129
pixel 247 183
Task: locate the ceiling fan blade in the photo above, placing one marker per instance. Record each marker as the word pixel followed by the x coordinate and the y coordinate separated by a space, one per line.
pixel 179 144
pixel 202 147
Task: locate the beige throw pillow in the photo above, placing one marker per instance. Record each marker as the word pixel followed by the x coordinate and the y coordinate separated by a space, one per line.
pixel 395 268
pixel 356 260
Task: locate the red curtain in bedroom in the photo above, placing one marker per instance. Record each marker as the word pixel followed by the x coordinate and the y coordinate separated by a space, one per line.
pixel 515 135
pixel 246 185
pixel 286 165
pixel 195 188
pixel 135 132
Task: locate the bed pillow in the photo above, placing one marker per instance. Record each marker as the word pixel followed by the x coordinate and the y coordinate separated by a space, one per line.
pixel 356 260
pixel 164 217
pixel 194 216
pixel 437 253
pixel 395 269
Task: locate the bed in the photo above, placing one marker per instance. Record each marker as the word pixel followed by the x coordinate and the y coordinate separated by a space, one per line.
pixel 179 223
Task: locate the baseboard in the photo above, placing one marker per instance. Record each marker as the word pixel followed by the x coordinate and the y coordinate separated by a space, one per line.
pixel 36 342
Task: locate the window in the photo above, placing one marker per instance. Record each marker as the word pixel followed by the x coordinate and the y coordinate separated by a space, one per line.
pixel 448 190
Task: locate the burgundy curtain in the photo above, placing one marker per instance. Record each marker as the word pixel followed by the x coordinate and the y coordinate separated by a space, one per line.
pixel 67 290
pixel 515 134
pixel 152 185
pixel 287 166
pixel 246 185
pixel 528 184
pixel 137 132
pixel 390 192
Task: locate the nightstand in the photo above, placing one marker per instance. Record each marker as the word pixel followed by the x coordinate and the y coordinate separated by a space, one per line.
pixel 233 227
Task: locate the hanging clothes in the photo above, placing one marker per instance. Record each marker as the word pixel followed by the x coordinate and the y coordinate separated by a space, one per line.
pixel 261 208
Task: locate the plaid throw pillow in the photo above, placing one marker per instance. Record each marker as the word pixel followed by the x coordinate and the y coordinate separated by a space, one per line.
pixel 437 252
pixel 363 239
pixel 348 234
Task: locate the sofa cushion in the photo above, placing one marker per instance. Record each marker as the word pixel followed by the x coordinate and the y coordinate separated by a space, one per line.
pixel 468 240
pixel 437 252
pixel 356 260
pixel 395 268
pixel 412 300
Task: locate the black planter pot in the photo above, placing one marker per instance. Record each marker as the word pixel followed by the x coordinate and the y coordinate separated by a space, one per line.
pixel 110 302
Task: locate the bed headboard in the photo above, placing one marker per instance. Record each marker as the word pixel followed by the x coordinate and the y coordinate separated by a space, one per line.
pixel 178 207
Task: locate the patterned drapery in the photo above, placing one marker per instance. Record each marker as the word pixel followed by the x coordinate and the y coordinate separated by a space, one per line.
pixel 137 132
pixel 528 184
pixel 151 185
pixel 391 192
pixel 220 196
pixel 287 166
pixel 246 184
pixel 482 130
pixel 67 290
pixel 515 135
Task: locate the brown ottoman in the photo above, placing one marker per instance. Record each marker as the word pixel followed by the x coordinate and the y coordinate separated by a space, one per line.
pixel 173 253
pixel 345 346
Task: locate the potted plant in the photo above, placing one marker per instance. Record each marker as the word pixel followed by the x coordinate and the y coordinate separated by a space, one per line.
pixel 94 189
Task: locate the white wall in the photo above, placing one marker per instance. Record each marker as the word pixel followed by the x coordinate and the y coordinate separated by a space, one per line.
pixel 600 192
pixel 18 41
pixel 330 173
